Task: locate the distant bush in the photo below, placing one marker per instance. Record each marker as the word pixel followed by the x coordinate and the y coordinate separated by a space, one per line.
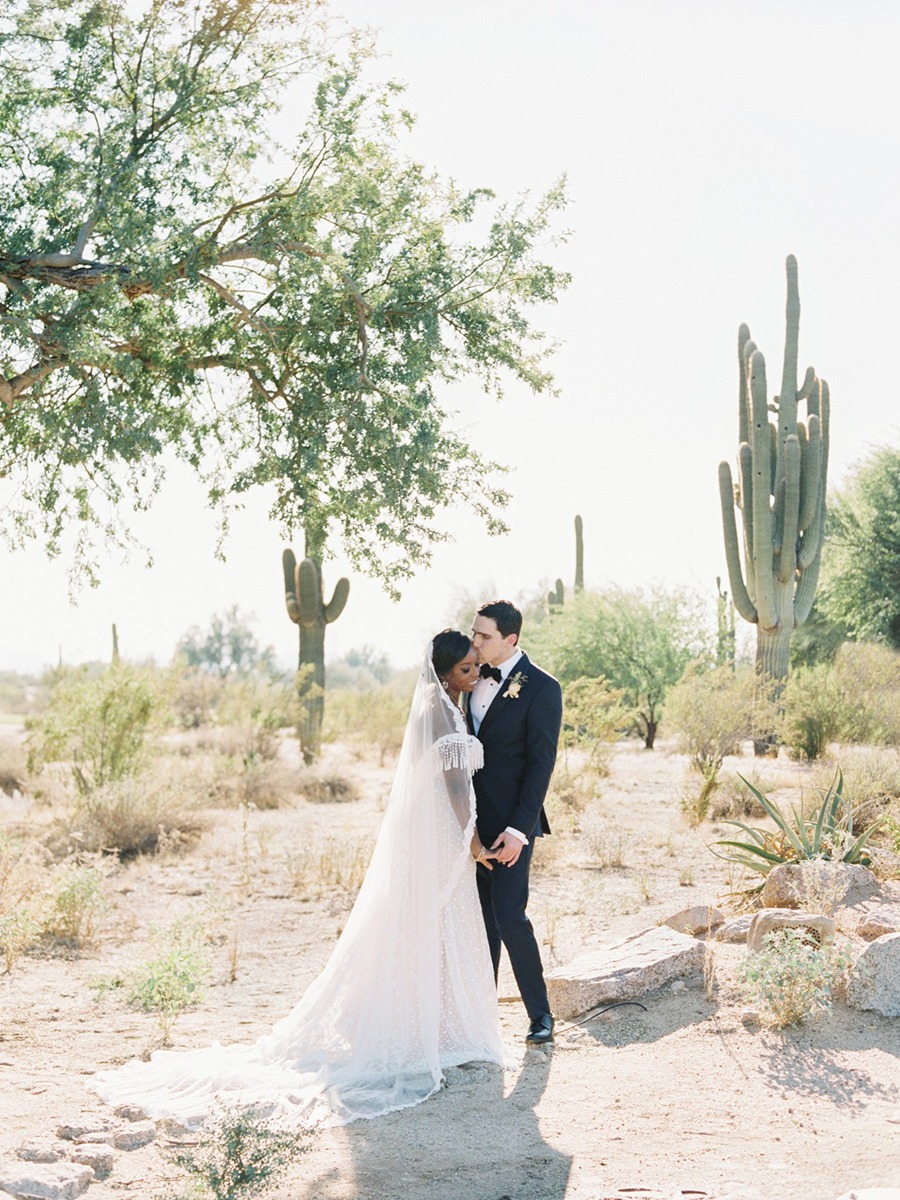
pixel 869 678
pixel 815 711
pixel 133 816
pixel 368 720
pixel 97 724
pixel 594 718
pixel 13 766
pixel 75 903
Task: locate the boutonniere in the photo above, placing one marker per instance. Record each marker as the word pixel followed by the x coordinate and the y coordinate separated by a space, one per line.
pixel 515 686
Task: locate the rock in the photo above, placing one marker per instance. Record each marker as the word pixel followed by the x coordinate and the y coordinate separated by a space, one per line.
pixel 90 1128
pixel 735 929
pixel 875 980
pixel 624 970
pixel 770 919
pixel 42 1151
pixel 99 1158
pixel 130 1112
pixel 140 1133
pixel 696 921
pixel 46 1181
pixel 878 923
pixel 818 885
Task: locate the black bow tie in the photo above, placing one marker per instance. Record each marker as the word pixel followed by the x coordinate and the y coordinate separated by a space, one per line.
pixel 488 672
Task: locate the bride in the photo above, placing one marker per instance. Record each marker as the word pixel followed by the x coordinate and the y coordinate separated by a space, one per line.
pixel 409 987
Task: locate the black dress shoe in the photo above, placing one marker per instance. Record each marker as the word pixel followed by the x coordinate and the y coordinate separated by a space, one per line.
pixel 540 1031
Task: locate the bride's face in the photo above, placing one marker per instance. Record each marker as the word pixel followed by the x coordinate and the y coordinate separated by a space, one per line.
pixel 464 676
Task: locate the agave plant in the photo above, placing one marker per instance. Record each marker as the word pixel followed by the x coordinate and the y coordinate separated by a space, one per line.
pixel 826 833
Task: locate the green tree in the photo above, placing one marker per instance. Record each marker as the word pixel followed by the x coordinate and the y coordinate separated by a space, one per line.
pixel 279 311
pixel 861 588
pixel 229 648
pixel 641 642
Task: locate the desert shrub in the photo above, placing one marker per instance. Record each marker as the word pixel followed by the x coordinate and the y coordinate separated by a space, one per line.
pixel 73 907
pixel 868 675
pixel 816 710
pixel 255 711
pixel 571 792
pixel 318 786
pixel 791 977
pixel 174 978
pixel 593 719
pixel 871 779
pixel 374 719
pixel 97 723
pixel 195 694
pixel 130 816
pixel 713 711
pixel 20 929
pixel 241 1153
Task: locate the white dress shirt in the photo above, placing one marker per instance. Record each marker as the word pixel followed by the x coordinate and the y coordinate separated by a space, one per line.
pixel 484 693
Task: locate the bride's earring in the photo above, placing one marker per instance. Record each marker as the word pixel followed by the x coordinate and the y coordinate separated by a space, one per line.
pixel 445 685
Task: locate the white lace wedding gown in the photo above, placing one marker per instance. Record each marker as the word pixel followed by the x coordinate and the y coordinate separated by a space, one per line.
pixel 408 989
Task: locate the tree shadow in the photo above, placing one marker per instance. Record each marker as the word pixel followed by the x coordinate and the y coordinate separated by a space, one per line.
pixel 488 1144
pixel 813 1061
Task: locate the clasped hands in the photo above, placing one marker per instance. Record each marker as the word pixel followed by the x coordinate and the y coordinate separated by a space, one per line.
pixel 506 850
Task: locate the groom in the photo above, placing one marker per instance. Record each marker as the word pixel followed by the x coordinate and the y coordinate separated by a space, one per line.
pixel 516 711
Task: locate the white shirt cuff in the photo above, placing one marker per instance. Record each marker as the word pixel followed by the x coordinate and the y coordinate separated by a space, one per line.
pixel 521 836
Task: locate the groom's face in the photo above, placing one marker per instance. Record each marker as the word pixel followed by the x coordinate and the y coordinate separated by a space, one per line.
pixel 492 648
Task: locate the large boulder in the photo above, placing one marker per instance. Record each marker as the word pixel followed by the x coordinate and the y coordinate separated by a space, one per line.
pixel 875 980
pixel 770 920
pixel 624 970
pixel 44 1181
pixel 817 885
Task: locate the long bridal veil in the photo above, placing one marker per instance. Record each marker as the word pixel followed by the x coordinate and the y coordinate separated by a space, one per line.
pixel 408 989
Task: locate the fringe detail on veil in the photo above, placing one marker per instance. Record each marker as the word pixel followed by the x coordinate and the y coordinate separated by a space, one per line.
pixel 459 750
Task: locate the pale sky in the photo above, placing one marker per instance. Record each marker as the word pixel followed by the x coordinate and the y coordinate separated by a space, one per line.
pixel 704 140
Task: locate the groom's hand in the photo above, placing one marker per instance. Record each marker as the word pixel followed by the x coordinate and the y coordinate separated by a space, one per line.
pixel 507 848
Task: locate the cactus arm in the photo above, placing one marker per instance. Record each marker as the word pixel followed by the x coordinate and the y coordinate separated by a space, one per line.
pixel 808 385
pixel 810 473
pixel 806 590
pixel 739 593
pixel 787 406
pixel 745 468
pixel 309 593
pixel 762 514
pixel 743 397
pixel 778 519
pixel 787 566
pixel 335 605
pixel 579 555
pixel 773 458
pixel 289 567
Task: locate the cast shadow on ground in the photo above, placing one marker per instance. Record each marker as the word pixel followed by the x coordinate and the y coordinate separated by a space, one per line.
pixel 812 1060
pixel 469 1142
pixel 666 1013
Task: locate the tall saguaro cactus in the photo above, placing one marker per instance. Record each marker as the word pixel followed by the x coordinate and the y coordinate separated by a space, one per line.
pixel 579 555
pixel 782 470
pixel 307 609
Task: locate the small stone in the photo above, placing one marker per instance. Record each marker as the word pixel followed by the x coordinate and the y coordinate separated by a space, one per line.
pixel 820 928
pixel 875 980
pixel 872 1194
pixel 878 923
pixel 94 1128
pixel 735 929
pixel 99 1158
pixel 45 1181
pixel 697 921
pixel 678 985
pixel 41 1151
pixel 748 1016
pixel 130 1112
pixel 140 1133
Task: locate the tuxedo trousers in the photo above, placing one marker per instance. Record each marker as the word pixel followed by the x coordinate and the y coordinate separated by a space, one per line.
pixel 503 893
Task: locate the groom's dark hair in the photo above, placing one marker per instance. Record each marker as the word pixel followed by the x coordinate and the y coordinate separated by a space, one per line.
pixel 505 615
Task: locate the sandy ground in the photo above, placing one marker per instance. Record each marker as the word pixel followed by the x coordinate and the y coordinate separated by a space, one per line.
pixel 680 1100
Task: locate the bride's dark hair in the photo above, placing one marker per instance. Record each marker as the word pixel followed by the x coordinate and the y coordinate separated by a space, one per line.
pixel 447 649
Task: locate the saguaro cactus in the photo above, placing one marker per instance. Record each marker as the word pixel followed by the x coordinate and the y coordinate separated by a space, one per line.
pixel 725 637
pixel 579 555
pixel 556 598
pixel 782 469
pixel 307 609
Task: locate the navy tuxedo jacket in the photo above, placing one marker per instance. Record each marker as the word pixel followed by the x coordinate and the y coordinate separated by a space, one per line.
pixel 519 736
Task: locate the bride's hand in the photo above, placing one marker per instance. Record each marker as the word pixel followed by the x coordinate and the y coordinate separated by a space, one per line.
pixel 482 855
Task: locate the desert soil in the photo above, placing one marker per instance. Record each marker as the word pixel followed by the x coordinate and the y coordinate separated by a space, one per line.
pixel 681 1100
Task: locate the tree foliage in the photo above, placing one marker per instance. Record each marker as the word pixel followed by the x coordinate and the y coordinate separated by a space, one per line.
pixel 280 310
pixel 229 648
pixel 641 642
pixel 861 591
